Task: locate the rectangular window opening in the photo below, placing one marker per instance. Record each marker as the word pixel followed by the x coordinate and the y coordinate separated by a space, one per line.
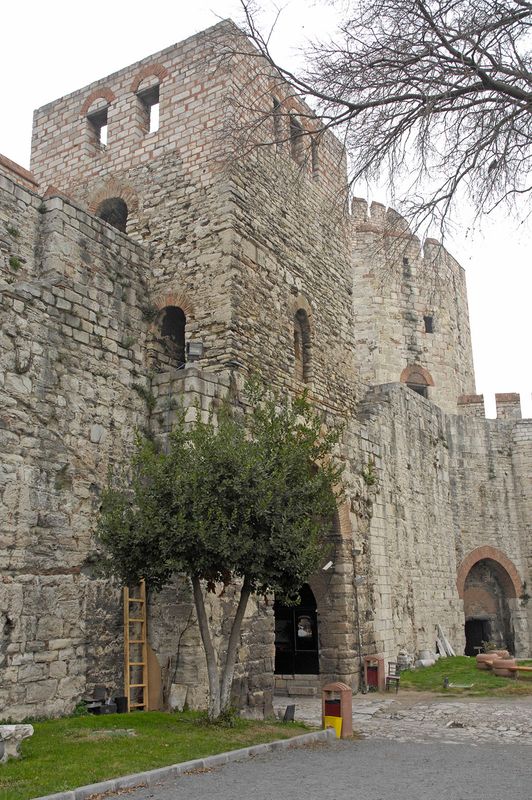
pixel 98 123
pixel 149 100
pixel 429 324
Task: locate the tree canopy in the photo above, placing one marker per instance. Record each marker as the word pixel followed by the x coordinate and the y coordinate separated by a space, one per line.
pixel 243 498
pixel 435 96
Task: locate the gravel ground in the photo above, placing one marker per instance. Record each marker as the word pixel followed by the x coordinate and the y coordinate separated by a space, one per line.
pixel 416 717
pixel 369 769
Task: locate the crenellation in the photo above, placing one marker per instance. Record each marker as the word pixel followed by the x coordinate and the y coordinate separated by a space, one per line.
pixel 508 406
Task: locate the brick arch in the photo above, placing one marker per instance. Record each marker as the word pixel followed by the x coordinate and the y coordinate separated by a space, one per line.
pixel 413 368
pixel 156 70
pixel 178 299
pixel 114 188
pixel 514 584
pixel 104 93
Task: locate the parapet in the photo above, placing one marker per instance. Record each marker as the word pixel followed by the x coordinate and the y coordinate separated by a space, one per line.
pixel 18 174
pixel 508 405
pixel 379 219
pixel 471 405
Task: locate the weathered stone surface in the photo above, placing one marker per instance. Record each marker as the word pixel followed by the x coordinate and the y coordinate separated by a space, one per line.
pixel 240 245
pixel 10 738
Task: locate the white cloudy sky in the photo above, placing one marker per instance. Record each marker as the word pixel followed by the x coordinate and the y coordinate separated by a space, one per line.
pixel 50 49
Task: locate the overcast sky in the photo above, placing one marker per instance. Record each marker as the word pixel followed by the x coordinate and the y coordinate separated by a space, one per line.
pixel 50 49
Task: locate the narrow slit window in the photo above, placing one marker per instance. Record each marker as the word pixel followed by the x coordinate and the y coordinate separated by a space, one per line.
pixel 296 139
pixel 99 125
pixel 277 122
pixel 302 346
pixel 429 324
pixel 315 159
pixel 149 100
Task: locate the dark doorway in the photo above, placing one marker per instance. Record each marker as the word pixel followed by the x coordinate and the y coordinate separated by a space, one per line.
pixel 296 636
pixel 477 631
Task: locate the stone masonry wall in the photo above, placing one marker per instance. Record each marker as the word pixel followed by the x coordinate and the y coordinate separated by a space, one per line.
pixel 444 486
pixel 71 350
pixel 240 239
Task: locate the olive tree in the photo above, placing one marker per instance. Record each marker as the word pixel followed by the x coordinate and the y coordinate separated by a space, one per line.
pixel 243 499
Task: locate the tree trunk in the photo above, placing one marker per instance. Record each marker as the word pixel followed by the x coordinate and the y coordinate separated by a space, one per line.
pixel 212 670
pixel 232 645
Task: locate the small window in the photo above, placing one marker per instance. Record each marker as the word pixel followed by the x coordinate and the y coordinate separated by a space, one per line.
pixel 429 324
pixel 114 212
pixel 277 122
pixel 302 350
pixel 296 140
pixel 149 100
pixel 98 123
pixel 315 160
pixel 418 383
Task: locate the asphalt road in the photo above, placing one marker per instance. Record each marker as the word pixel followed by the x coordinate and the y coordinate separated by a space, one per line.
pixel 366 769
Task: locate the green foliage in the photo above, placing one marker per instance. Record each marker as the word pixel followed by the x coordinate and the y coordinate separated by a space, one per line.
pixel 81 709
pixel 15 263
pixel 13 232
pixel 146 394
pixel 244 496
pixel 368 473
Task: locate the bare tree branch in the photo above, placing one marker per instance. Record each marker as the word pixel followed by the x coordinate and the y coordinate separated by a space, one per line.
pixel 433 93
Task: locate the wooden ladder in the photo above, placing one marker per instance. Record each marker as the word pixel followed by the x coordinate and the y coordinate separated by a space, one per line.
pixel 135 648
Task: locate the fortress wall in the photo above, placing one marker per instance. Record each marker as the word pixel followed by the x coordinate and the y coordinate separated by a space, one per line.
pixel 491 497
pixel 445 485
pixel 71 342
pixel 409 550
pixel 395 286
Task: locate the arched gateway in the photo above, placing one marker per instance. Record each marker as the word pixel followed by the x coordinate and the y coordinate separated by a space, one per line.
pixel 488 582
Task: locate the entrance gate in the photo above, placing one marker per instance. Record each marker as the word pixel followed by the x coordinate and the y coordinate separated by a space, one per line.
pixel 296 636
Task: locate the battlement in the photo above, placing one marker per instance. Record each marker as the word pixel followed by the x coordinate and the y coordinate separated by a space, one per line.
pixel 377 218
pixel 508 405
pixel 471 405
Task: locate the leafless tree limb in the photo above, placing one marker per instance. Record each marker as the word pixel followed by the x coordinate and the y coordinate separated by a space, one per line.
pixel 432 95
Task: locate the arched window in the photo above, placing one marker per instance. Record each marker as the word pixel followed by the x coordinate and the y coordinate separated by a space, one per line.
pixel 418 379
pixel 417 383
pixel 173 325
pixel 114 212
pixel 302 351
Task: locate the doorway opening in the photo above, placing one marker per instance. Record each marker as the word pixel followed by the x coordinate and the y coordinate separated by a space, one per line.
pixel 487 590
pixel 296 636
pixel 477 631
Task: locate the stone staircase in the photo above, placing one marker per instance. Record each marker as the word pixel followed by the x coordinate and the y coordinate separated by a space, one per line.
pixel 298 685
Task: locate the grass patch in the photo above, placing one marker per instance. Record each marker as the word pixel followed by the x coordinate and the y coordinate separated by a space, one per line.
pixel 463 669
pixel 66 753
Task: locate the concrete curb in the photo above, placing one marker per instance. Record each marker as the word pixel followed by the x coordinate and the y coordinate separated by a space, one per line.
pixel 175 770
